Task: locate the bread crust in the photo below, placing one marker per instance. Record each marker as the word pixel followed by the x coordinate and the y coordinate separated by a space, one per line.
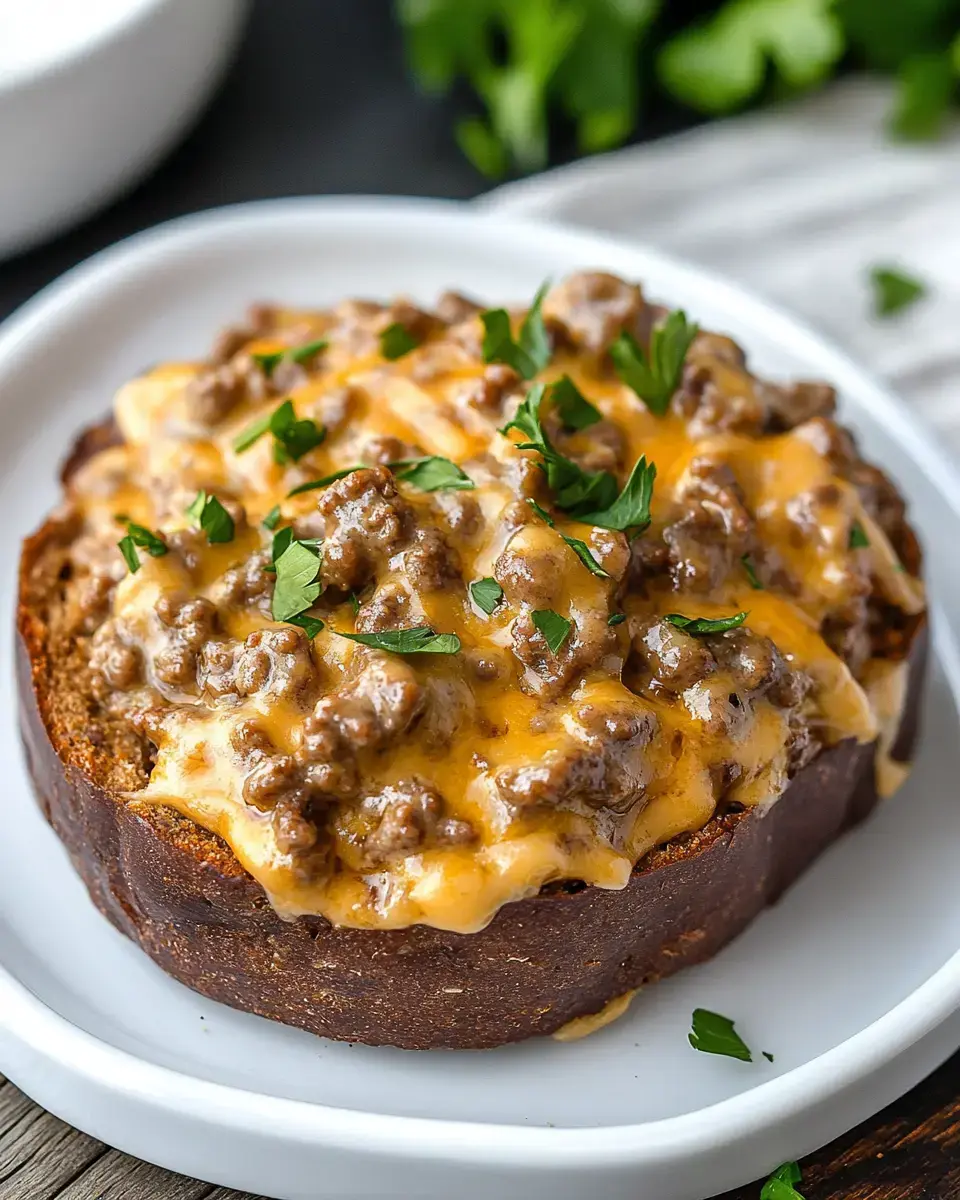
pixel 179 893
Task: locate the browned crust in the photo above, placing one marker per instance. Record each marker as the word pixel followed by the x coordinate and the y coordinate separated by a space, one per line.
pixel 179 894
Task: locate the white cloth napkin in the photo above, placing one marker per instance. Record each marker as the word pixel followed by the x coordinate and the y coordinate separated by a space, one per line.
pixel 798 203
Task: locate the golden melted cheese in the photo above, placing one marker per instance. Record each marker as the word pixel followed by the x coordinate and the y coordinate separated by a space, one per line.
pixel 166 458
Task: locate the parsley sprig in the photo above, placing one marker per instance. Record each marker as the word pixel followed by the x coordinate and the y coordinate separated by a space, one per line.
pixel 714 1034
pixel 269 362
pixel 208 514
pixel 699 626
pixel 292 437
pixel 419 640
pixel 531 351
pixel 324 482
pixel 432 474
pixel 140 536
pixel 655 376
pixel 573 408
pixel 297 568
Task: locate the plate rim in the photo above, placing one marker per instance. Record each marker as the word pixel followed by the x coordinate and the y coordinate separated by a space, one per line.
pixel 25 1019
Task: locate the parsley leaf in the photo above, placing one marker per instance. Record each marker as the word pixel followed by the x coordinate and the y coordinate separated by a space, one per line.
pixel 780 1184
pixel 209 515
pixel 321 483
pixel 310 625
pixel 297 586
pixel 486 593
pixel 656 377
pixel 573 408
pixel 751 572
pixel 579 547
pixel 698 626
pixel 531 351
pixel 272 519
pixel 293 438
pixel 421 640
pixel 893 291
pixel 432 474
pixel 715 1034
pixel 616 618
pixel 555 629
pixel 631 509
pixel 858 537
pixel 396 341
pixel 139 535
pixel 268 363
pixel 925 88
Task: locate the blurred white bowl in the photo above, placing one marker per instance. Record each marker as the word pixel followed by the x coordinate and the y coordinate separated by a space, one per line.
pixel 92 93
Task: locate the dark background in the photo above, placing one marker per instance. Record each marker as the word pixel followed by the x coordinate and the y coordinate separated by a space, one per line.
pixel 318 100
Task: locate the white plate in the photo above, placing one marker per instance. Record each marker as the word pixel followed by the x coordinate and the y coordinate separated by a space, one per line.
pixel 848 981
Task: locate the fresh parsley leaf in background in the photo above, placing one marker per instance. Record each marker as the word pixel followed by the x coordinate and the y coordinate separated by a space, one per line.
pixel 297 586
pixel 432 474
pixel 699 626
pixel 858 537
pixel 421 640
pixel 292 438
pixel 209 515
pixel 926 86
pixel 555 629
pixel 780 1184
pixel 531 350
pixel 324 482
pixel 715 1034
pixel 573 408
pixel 396 341
pixel 310 625
pixel 268 363
pixel 893 290
pixel 486 593
pixel 655 376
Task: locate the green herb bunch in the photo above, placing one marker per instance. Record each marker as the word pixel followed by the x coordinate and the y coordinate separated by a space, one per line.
pixel 599 64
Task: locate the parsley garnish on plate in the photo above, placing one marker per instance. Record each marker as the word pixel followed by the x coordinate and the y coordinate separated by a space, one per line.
pixel 530 352
pixel 292 438
pixel 780 1184
pixel 747 563
pixel 268 363
pixel 858 537
pixel 698 626
pixel 420 640
pixel 573 408
pixel 297 585
pixel 321 483
pixel 894 291
pixel 655 377
pixel 396 341
pixel 555 629
pixel 208 514
pixel 432 474
pixel 715 1034
pixel 139 535
pixel 486 593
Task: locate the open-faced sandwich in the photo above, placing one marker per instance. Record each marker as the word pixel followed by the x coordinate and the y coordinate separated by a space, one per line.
pixel 436 678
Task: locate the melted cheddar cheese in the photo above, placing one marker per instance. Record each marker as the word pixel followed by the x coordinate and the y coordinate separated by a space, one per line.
pixel 506 723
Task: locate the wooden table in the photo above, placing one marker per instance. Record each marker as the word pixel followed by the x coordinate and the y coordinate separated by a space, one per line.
pixel 910 1151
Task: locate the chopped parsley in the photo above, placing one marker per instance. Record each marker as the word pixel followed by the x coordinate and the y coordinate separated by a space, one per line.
pixel 146 539
pixel 396 341
pixel 616 618
pixel 208 514
pixel 698 626
pixel 715 1034
pixel 486 593
pixel 292 438
pixel 858 537
pixel 555 629
pixel 420 640
pixel 573 408
pixel 310 625
pixel 767 1055
pixel 579 547
pixel 530 352
pixel 746 562
pixel 432 474
pixel 272 519
pixel 297 586
pixel 268 363
pixel 893 291
pixel 780 1184
pixel 324 482
pixel 631 509
pixel 656 377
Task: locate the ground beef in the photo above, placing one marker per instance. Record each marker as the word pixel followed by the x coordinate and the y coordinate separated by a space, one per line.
pixel 431 564
pixel 188 625
pixel 547 674
pixel 384 449
pixel 390 607
pixel 489 394
pixel 460 512
pixel 276 663
pixel 249 585
pixel 708 541
pixel 606 767
pixel 406 818
pixel 590 309
pixel 789 405
pixel 710 410
pixel 452 308
pixel 116 665
pixel 365 521
pixel 532 573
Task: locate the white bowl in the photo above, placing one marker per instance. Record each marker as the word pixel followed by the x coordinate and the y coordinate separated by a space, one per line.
pixel 91 104
pixel 850 981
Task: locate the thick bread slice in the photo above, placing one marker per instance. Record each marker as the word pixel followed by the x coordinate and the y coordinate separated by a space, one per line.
pixel 179 893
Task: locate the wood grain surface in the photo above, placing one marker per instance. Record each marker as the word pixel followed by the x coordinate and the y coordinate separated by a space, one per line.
pixel 909 1151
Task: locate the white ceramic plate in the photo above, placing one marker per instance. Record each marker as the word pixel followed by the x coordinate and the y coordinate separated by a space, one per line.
pixel 849 981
